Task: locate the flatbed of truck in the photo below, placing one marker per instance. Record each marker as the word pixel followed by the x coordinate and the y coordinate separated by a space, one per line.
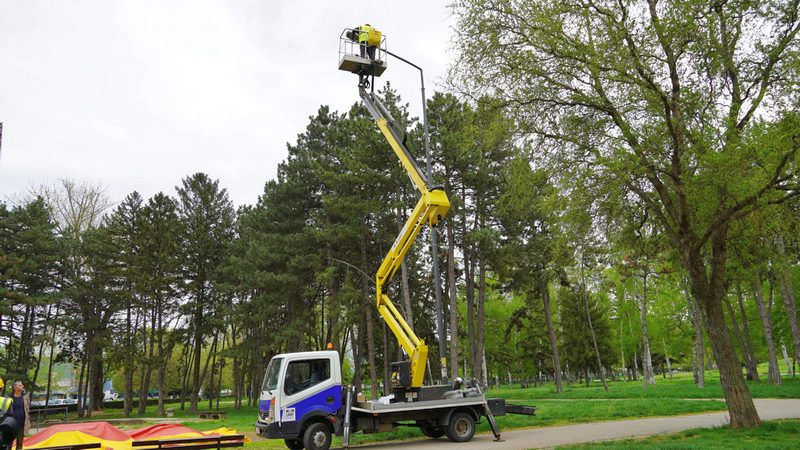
pixel 380 408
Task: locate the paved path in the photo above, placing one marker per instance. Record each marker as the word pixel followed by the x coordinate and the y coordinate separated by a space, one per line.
pixel 768 409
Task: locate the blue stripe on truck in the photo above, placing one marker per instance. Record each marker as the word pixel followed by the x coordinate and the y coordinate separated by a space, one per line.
pixel 318 401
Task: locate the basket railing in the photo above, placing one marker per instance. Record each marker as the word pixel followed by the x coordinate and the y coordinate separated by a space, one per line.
pixel 348 46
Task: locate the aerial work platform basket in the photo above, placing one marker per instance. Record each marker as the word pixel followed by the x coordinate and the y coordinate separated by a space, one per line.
pixel 354 57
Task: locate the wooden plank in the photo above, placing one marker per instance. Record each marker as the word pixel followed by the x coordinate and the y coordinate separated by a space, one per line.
pixel 198 446
pixel 235 440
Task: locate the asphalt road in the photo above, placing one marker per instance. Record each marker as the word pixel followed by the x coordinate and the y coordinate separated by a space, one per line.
pixel 768 409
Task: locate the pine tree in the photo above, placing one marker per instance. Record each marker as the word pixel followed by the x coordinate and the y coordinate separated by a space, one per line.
pixel 207 219
pixel 29 257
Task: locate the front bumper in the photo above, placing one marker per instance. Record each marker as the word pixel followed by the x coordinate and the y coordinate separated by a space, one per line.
pixel 273 431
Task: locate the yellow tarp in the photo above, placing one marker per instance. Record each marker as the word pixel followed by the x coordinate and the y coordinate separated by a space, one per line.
pixel 79 437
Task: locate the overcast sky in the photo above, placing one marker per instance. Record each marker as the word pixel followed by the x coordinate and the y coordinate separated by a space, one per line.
pixel 136 95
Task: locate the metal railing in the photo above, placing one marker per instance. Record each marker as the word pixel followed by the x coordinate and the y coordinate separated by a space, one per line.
pixel 46 412
pixel 348 46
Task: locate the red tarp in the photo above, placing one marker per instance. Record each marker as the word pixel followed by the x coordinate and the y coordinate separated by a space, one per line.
pixel 113 438
pixel 162 430
pixel 103 430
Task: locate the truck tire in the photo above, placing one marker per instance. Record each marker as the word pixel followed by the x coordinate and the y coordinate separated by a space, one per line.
pixel 293 444
pixel 461 427
pixel 317 437
pixel 432 431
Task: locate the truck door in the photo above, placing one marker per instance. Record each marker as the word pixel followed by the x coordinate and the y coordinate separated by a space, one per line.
pixel 311 387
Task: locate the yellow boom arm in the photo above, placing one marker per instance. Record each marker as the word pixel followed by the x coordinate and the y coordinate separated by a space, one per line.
pixel 430 209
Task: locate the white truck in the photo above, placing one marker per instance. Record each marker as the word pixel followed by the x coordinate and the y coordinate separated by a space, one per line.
pixel 304 402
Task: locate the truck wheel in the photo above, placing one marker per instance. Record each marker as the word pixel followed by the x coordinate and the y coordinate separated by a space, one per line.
pixel 294 444
pixel 429 430
pixel 461 427
pixel 317 437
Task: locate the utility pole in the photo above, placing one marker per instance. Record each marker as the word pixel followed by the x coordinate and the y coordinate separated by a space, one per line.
pixel 437 282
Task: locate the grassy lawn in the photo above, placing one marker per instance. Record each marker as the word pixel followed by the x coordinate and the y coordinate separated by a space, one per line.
pixel 778 435
pixel 681 386
pixel 578 404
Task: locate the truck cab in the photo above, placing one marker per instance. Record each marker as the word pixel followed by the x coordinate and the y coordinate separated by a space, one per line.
pixel 301 398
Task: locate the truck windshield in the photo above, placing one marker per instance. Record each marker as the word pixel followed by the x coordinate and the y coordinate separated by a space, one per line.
pixel 271 377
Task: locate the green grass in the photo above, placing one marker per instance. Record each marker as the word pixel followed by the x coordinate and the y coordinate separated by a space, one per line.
pixel 577 404
pixel 778 435
pixel 680 387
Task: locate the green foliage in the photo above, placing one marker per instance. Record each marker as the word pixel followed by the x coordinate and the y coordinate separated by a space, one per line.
pixel 29 259
pixel 576 339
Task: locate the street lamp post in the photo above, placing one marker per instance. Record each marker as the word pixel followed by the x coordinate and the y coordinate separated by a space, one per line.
pixel 434 236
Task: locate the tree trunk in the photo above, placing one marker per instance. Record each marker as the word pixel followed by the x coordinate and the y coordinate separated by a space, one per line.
pixel 741 409
pixel 370 338
pixel 47 321
pixel 625 370
pixel 647 361
pixel 128 365
pixel 698 352
pixel 162 362
pixel 470 297
pixel 469 281
pixel 752 367
pixel 551 334
pixel 81 392
pixel 484 370
pixel 198 347
pixel 236 366
pixel 773 374
pixel 373 376
pixel 187 356
pixel 451 285
pixel 356 356
pixel 25 340
pixel 94 371
pixel 50 365
pixel 481 316
pixel 221 365
pixel 211 353
pixel 213 372
pixel 788 363
pixel 710 293
pixel 96 384
pixel 148 366
pixel 387 359
pixel 602 369
pixel 787 292
pixel 739 338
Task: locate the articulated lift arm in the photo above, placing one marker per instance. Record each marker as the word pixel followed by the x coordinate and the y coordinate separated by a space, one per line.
pixel 430 209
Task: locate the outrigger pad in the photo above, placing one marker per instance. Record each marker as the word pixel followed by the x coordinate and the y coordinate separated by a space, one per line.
pixel 361 66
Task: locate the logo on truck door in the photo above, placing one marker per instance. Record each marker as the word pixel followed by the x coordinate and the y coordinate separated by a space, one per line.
pixel 288 415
